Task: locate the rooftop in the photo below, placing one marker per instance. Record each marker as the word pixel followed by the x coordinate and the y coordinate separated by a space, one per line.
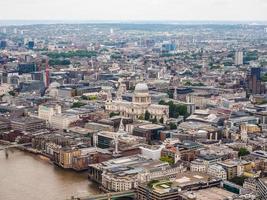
pixel 151 126
pixel 213 193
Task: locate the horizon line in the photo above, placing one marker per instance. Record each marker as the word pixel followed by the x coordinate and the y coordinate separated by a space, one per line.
pixel 21 22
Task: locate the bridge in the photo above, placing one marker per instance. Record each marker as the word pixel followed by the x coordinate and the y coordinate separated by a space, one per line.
pixel 14 145
pixel 109 196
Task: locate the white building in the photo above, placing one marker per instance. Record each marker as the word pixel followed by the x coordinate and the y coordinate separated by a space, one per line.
pixel 152 152
pixel 217 171
pixel 4 88
pixel 53 89
pixel 239 58
pixel 198 166
pixel 47 111
pixel 63 121
pixel 140 104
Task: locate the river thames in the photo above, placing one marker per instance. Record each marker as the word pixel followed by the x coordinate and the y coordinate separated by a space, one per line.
pixel 30 177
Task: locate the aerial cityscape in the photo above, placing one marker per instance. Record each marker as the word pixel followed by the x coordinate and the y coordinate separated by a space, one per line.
pixel 152 107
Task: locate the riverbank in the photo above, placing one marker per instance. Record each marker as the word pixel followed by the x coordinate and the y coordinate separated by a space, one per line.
pixel 26 149
pixel 27 176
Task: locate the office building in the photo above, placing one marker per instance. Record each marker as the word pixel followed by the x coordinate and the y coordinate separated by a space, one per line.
pixel 254 83
pixel 27 68
pixel 239 58
pixel 63 121
pixel 30 44
pixel 3 44
pixel 126 173
pixel 48 110
pixel 217 171
pixel 27 124
pixel 174 189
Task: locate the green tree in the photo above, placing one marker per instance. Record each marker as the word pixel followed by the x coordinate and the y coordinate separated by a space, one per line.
pixel 91 98
pixel 141 117
pixel 175 109
pixel 170 94
pixel 77 104
pixel 112 114
pixel 162 102
pixel 250 55
pixel 167 159
pixel 243 152
pixel 239 180
pixel 154 120
pixel 83 97
pixel 59 62
pixel 71 54
pixel 151 183
pixel 147 115
pixel 12 93
pixel 161 120
pixel 187 83
pixel 173 126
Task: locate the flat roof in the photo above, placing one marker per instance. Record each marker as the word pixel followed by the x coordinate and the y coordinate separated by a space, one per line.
pixel 186 178
pixel 213 193
pixel 151 126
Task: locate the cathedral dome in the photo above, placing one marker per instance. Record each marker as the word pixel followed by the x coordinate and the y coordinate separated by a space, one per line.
pixel 141 88
pixel 54 85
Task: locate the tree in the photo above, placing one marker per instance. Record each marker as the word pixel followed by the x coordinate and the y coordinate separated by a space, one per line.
pixel 83 97
pixel 173 126
pixel 239 180
pixel 71 54
pixel 162 102
pixel 12 93
pixel 188 83
pixel 167 159
pixel 243 152
pixel 112 114
pixel 59 62
pixel 161 120
pixel 141 117
pixel 147 115
pixel 170 94
pixel 151 183
pixel 154 120
pixel 77 104
pixel 250 55
pixel 91 98
pixel 175 109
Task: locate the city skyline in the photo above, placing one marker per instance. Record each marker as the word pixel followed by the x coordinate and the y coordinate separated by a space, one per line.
pixel 136 100
pixel 138 10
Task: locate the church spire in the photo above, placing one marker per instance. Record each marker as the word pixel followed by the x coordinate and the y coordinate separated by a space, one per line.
pixel 119 93
pixel 175 94
pixel 109 95
pixel 121 127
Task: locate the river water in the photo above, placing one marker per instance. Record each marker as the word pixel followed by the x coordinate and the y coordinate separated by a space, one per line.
pixel 26 176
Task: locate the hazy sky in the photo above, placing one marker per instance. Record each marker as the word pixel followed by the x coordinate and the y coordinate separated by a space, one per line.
pixel 134 9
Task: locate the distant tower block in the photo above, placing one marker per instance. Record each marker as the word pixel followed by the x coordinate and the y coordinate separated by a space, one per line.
pixel 95 140
pixel 243 132
pixel 239 58
pixel 47 81
pixel 175 96
pixel 109 96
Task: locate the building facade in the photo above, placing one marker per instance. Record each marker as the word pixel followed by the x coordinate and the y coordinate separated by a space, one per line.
pixel 141 103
